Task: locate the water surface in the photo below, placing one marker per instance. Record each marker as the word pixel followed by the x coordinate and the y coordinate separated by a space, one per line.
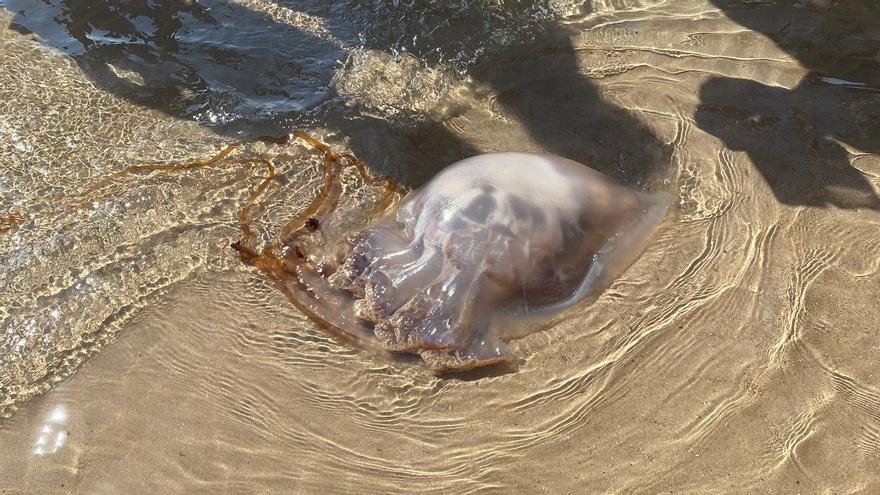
pixel 741 352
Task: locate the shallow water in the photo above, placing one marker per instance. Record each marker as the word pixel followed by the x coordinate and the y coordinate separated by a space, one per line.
pixel 741 352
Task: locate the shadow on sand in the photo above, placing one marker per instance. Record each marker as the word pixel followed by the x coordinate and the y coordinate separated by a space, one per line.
pixel 243 73
pixel 796 138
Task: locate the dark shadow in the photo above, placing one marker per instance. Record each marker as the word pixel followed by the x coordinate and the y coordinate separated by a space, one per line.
pixel 243 73
pixel 541 84
pixel 482 373
pixel 796 137
pixel 221 64
pixel 535 76
pixel 512 365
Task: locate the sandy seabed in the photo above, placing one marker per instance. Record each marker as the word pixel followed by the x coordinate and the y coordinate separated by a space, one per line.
pixel 740 353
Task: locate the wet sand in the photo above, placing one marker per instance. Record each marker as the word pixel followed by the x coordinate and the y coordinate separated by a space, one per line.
pixel 739 354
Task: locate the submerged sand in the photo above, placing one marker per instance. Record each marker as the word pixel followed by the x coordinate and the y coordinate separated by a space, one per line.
pixel 740 353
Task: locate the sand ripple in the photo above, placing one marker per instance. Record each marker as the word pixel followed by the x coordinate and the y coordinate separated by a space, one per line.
pixel 739 353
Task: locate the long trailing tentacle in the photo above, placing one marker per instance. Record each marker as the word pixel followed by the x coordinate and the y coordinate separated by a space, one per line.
pixel 169 168
pixel 247 213
pixel 392 191
pixel 328 196
pixel 302 223
pixel 82 199
pixel 10 221
pixel 294 275
pixel 295 281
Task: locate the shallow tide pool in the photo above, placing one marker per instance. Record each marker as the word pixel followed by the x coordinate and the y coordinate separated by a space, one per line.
pixel 739 353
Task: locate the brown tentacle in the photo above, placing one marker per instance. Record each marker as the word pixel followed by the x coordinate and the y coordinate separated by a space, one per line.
pixel 247 213
pixel 295 275
pixel 294 281
pixel 392 189
pixel 276 269
pixel 171 168
pixel 328 196
pixel 10 221
pixel 331 173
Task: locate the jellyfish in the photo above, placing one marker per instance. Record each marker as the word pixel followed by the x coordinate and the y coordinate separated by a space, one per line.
pixel 492 248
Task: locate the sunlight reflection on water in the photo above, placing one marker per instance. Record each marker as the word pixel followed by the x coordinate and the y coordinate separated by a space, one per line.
pixel 52 434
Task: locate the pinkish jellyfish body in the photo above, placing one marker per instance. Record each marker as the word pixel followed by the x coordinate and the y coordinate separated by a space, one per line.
pixel 493 247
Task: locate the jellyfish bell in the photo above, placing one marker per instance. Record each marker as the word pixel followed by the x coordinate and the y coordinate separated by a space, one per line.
pixel 491 249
